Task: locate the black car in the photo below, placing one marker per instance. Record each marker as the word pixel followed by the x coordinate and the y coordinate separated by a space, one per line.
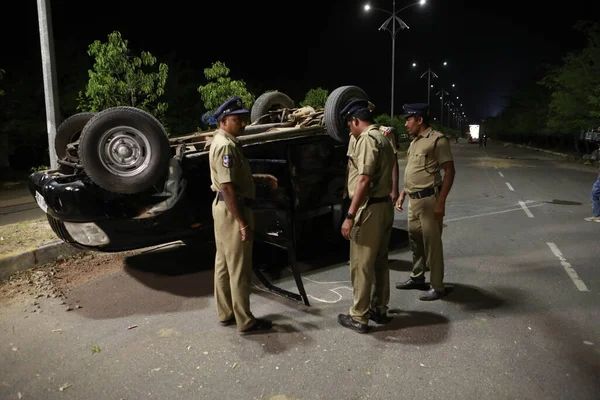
pixel 122 184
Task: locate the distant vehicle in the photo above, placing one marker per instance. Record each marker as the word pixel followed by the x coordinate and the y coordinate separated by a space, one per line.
pixel 473 135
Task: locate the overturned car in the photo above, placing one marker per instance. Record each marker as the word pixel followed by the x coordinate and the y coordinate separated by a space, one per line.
pixel 123 184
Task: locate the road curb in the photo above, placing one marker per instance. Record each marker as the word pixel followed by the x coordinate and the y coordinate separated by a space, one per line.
pixel 538 149
pixel 34 257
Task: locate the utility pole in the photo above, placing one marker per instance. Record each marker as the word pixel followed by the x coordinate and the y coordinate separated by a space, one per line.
pixel 429 73
pixel 49 73
pixel 441 94
pixel 449 103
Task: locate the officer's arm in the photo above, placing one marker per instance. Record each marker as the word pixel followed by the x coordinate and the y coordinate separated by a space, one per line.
pixel 232 203
pixel 449 173
pixel 362 190
pixel 395 175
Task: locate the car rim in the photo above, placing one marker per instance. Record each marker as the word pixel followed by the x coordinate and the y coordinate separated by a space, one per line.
pixel 124 151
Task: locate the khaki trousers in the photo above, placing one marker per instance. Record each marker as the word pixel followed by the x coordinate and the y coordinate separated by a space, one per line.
pixel 369 244
pixel 233 266
pixel 425 235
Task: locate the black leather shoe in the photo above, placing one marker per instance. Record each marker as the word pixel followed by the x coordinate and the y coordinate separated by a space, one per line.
pixel 380 318
pixel 227 322
pixel 259 325
pixel 348 322
pixel 433 294
pixel 413 283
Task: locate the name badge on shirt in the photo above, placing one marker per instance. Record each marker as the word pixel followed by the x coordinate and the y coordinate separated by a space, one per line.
pixel 227 161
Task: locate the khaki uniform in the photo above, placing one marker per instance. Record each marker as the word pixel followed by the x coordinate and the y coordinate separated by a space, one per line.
pixel 370 154
pixel 233 260
pixel 427 152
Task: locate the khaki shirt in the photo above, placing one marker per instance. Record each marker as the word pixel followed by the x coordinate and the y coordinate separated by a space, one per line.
pixel 426 153
pixel 371 154
pixel 229 165
pixel 392 135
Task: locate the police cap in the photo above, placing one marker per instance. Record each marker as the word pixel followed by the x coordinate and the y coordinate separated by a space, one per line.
pixel 417 109
pixel 231 107
pixel 354 106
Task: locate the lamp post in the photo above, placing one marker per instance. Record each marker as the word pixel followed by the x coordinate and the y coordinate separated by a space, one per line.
pixel 393 18
pixel 429 73
pixel 441 93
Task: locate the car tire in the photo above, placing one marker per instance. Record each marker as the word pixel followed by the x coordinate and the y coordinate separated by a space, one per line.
pixel 336 101
pixel 69 131
pixel 270 101
pixel 142 143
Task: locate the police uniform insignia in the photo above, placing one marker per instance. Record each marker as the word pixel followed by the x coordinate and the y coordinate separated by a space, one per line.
pixel 227 161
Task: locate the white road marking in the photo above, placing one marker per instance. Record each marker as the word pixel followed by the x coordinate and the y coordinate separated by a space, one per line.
pixel 524 207
pixel 570 271
pixel 490 213
pixel 495 167
pixel 500 173
pixel 509 186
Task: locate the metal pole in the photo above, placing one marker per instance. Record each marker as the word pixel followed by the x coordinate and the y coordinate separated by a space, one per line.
pixel 49 73
pixel 442 110
pixel 393 53
pixel 428 82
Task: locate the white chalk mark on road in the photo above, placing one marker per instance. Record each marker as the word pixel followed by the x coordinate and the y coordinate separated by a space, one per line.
pixel 567 266
pixel 490 213
pixel 334 290
pixel 500 173
pixel 524 207
pixel 509 186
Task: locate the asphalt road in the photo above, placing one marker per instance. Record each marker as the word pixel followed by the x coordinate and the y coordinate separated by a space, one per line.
pixel 522 321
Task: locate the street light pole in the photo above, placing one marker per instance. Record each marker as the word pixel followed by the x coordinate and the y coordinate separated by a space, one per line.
pixel 429 72
pixel 49 73
pixel 441 93
pixel 402 25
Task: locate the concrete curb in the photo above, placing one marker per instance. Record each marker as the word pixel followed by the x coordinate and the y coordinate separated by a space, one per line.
pixel 34 257
pixel 537 149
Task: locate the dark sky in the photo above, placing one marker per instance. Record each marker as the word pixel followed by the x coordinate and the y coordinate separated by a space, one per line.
pixel 295 46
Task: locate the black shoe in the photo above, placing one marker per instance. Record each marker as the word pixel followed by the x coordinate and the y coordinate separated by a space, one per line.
pixel 348 322
pixel 227 322
pixel 413 283
pixel 380 318
pixel 433 294
pixel 259 325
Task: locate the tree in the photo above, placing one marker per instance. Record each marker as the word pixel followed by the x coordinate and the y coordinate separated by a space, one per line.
pixel 120 79
pixel 315 98
pixel 221 87
pixel 575 97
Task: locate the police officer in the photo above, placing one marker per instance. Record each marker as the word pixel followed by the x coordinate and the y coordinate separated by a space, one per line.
pixel 233 183
pixel 368 223
pixel 428 154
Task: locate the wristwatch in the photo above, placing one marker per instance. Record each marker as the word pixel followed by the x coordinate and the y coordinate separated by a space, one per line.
pixel 349 216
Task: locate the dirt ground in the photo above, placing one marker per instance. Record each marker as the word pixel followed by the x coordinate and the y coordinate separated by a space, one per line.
pixel 55 279
pixel 18 237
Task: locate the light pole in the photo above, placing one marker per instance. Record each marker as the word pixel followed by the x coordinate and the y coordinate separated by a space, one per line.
pixel 393 18
pixel 429 73
pixel 441 93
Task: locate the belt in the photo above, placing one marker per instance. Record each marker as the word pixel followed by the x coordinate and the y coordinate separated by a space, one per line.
pixel 374 200
pixel 423 193
pixel 244 200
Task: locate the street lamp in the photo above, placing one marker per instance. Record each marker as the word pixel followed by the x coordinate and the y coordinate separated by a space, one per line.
pixel 385 26
pixel 429 73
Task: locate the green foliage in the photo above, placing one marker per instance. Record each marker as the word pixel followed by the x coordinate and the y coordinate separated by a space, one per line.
pixel 39 168
pixel 315 98
pixel 221 87
pixel 121 79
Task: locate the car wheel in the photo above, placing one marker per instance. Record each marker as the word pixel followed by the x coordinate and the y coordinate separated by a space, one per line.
pixel 270 101
pixel 336 101
pixel 124 150
pixel 69 131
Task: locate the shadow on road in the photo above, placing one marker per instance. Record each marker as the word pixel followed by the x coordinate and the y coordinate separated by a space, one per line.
pixel 472 298
pixel 564 202
pixel 413 327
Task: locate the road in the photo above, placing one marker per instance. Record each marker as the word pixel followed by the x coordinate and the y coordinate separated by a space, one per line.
pixel 522 321
pixel 17 204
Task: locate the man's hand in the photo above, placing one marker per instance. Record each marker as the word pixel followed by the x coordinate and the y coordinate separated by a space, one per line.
pixel 439 210
pixel 400 202
pixel 247 234
pixel 346 228
pixel 394 195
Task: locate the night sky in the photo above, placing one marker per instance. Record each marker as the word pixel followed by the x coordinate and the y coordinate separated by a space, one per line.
pixel 295 46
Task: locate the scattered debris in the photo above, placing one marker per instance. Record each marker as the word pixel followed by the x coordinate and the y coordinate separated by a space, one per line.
pixel 131 327
pixel 235 364
pixel 64 387
pixel 95 349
